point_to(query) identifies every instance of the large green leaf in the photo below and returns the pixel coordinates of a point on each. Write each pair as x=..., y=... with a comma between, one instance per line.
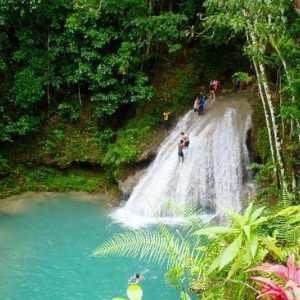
x=247, y=231
x=253, y=243
x=215, y=264
x=235, y=267
x=212, y=231
x=230, y=252
x=236, y=218
x=248, y=211
x=260, y=221
x=256, y=214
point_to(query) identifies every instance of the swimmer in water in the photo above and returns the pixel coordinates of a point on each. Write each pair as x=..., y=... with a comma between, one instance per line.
x=136, y=279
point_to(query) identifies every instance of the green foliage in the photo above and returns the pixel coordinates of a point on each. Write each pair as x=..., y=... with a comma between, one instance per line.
x=262, y=171
x=185, y=296
x=158, y=247
x=4, y=167
x=262, y=145
x=241, y=239
x=22, y=126
x=215, y=268
x=242, y=76
x=69, y=112
x=23, y=179
x=105, y=138
x=28, y=88
x=175, y=277
x=272, y=47
x=286, y=225
x=51, y=52
x=126, y=149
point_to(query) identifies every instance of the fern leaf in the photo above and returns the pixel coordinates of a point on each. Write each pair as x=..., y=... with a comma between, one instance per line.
x=158, y=247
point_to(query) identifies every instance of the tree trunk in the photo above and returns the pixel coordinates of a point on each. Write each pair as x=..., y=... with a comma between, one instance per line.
x=262, y=97
x=289, y=79
x=267, y=118
x=280, y=103
x=268, y=97
x=274, y=125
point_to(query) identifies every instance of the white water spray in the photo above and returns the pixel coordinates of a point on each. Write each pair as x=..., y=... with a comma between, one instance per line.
x=214, y=174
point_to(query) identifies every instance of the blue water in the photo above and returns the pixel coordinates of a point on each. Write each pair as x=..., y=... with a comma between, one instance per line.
x=45, y=255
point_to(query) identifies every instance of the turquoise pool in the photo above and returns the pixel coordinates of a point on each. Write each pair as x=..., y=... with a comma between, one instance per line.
x=45, y=255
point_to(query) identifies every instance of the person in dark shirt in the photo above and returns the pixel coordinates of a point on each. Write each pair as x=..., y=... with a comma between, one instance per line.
x=136, y=279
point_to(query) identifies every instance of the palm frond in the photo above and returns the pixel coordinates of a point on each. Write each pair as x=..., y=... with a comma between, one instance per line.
x=156, y=246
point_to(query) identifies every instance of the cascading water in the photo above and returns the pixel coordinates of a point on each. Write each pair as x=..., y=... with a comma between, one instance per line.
x=214, y=174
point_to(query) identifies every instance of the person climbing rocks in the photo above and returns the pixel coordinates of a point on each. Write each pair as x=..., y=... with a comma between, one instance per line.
x=237, y=84
x=202, y=102
x=136, y=279
x=215, y=85
x=185, y=139
x=180, y=151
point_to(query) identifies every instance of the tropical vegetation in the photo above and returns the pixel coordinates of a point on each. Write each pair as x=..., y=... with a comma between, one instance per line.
x=215, y=262
x=290, y=275
x=83, y=86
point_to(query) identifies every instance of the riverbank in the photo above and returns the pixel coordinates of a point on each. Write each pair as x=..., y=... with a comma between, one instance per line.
x=20, y=203
x=46, y=180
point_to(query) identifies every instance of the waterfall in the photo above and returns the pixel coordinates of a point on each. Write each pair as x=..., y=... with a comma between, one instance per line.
x=214, y=175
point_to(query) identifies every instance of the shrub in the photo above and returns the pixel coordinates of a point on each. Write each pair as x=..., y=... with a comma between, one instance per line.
x=4, y=167
x=69, y=112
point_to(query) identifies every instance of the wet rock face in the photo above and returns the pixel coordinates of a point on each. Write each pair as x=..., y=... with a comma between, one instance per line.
x=148, y=155
x=138, y=169
x=126, y=186
x=151, y=149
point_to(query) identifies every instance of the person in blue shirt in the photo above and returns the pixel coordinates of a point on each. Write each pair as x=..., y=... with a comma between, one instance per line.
x=202, y=103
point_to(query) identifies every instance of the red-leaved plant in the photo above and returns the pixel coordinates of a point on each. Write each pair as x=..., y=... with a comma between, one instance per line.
x=290, y=275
